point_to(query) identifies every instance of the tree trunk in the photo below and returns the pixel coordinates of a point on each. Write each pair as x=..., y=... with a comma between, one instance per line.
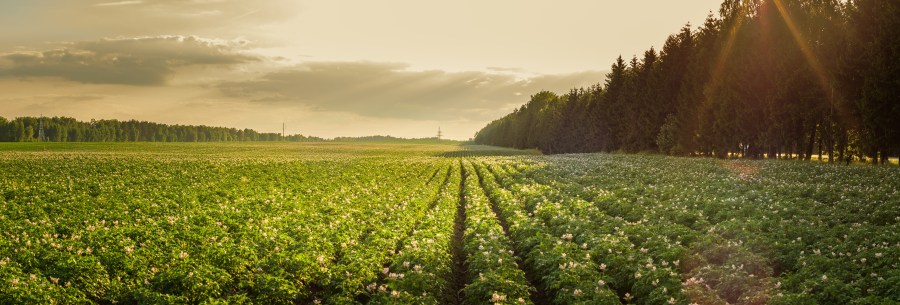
x=842, y=147
x=820, y=149
x=812, y=142
x=831, y=153
x=830, y=144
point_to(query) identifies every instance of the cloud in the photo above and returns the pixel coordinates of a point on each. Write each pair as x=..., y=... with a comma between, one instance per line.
x=77, y=98
x=505, y=69
x=390, y=90
x=143, y=61
x=119, y=3
x=137, y=17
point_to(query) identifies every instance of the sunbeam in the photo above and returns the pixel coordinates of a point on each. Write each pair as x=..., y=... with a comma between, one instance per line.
x=722, y=60
x=808, y=54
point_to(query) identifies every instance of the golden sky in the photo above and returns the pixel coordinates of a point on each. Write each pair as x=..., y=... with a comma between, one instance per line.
x=326, y=67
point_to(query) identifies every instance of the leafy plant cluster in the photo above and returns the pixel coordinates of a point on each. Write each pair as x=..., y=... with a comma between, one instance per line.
x=588, y=250
x=421, y=271
x=389, y=224
x=494, y=274
x=81, y=227
x=564, y=269
x=742, y=232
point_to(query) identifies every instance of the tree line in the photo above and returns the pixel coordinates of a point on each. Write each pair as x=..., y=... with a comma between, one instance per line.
x=392, y=139
x=762, y=78
x=64, y=129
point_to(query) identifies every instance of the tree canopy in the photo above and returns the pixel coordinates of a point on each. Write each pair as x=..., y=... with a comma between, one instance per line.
x=63, y=129
x=762, y=78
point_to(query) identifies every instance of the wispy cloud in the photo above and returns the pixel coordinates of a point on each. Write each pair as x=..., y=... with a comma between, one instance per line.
x=506, y=69
x=389, y=90
x=143, y=61
x=119, y=3
x=243, y=15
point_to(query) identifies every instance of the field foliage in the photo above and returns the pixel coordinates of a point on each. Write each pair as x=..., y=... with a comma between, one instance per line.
x=366, y=223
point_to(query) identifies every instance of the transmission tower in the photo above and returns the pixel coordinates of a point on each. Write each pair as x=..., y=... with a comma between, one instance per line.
x=440, y=134
x=41, y=129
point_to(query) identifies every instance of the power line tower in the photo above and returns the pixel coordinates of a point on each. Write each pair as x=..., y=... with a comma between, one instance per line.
x=440, y=134
x=282, y=131
x=41, y=129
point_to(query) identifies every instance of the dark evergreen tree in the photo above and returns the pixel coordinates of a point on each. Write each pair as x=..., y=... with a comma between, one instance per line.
x=764, y=78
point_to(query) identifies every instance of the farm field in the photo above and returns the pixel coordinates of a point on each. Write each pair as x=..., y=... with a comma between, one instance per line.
x=339, y=223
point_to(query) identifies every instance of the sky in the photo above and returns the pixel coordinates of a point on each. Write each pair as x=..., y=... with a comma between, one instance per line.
x=325, y=68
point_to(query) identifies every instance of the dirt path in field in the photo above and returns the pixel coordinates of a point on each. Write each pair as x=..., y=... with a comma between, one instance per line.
x=712, y=263
x=716, y=264
x=539, y=296
x=460, y=268
x=743, y=170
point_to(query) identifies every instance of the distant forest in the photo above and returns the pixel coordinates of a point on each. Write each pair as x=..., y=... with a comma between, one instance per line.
x=764, y=78
x=63, y=129
x=391, y=139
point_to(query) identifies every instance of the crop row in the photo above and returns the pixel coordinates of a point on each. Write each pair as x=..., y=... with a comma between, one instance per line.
x=387, y=221
x=777, y=232
x=87, y=229
x=421, y=271
x=494, y=275
x=568, y=274
x=375, y=226
x=625, y=254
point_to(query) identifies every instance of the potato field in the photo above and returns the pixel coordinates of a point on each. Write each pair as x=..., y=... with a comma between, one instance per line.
x=332, y=223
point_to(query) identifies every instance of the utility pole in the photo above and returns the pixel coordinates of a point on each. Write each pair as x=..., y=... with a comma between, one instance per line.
x=282, y=131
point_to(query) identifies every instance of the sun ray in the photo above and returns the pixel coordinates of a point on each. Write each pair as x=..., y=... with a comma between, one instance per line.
x=722, y=60
x=817, y=68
